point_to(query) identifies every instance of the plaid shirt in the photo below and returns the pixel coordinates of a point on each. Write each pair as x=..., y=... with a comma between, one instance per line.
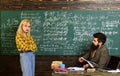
x=25, y=44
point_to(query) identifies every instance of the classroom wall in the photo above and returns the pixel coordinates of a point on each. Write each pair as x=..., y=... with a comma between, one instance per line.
x=10, y=66
x=60, y=4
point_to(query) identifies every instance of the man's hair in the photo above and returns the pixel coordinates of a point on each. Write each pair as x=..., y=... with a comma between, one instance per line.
x=101, y=37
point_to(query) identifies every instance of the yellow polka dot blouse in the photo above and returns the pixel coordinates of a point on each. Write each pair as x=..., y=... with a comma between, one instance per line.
x=25, y=44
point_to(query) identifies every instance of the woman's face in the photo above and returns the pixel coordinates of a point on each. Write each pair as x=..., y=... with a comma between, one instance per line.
x=26, y=28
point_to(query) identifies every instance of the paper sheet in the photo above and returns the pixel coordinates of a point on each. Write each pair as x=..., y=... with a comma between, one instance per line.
x=76, y=68
x=114, y=71
x=88, y=63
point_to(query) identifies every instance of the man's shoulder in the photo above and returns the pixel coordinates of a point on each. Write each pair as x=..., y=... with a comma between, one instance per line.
x=103, y=48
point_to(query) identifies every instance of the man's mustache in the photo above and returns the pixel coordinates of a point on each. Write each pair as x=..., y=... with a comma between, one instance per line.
x=93, y=47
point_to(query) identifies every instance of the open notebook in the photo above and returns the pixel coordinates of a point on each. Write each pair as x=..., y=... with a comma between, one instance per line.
x=113, y=64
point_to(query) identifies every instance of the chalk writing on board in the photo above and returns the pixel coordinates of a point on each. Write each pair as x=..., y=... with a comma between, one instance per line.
x=65, y=32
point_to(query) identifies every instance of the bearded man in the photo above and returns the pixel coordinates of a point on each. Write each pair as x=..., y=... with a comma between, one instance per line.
x=98, y=53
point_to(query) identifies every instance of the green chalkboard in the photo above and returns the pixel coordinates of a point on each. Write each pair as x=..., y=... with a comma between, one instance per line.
x=61, y=32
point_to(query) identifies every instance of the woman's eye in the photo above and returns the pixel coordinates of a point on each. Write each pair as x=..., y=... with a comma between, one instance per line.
x=25, y=25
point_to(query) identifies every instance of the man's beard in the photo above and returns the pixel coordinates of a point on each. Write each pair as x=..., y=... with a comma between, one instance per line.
x=93, y=47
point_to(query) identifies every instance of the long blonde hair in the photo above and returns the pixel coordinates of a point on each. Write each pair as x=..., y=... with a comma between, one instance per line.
x=23, y=23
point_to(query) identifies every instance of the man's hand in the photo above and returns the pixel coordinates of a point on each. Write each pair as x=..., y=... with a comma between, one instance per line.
x=86, y=66
x=81, y=59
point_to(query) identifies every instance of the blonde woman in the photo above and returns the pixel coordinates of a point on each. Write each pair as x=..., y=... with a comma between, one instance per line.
x=26, y=47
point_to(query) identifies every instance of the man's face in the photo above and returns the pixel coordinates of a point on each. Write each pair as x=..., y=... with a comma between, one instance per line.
x=95, y=44
x=95, y=41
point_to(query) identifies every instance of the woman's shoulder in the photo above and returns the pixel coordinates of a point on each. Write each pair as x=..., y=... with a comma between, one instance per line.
x=18, y=35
